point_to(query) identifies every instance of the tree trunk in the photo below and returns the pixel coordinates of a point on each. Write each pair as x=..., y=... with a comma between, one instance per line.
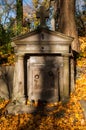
x=67, y=23
x=19, y=16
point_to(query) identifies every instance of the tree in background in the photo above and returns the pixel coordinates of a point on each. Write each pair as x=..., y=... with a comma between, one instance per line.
x=7, y=7
x=19, y=15
x=81, y=18
x=7, y=10
x=67, y=24
x=64, y=10
x=4, y=36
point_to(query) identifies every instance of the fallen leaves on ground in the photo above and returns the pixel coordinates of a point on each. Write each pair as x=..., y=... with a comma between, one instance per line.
x=65, y=116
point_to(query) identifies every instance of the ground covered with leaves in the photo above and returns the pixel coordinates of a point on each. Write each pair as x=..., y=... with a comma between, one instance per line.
x=65, y=116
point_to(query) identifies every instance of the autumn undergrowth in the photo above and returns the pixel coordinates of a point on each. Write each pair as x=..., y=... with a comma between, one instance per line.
x=66, y=116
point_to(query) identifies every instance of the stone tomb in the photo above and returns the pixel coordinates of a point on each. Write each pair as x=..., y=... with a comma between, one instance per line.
x=42, y=67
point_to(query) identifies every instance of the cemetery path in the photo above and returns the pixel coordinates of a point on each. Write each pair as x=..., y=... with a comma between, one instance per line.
x=70, y=115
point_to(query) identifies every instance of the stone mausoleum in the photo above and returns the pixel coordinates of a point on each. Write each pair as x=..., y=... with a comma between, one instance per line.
x=42, y=67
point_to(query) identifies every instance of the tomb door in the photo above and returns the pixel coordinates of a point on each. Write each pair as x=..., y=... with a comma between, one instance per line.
x=43, y=79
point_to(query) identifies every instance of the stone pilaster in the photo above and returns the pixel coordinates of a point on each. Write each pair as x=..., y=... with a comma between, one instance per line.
x=18, y=104
x=65, y=77
x=18, y=83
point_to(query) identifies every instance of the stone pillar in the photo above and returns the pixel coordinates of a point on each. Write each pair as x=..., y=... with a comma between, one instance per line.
x=61, y=81
x=65, y=77
x=18, y=103
x=18, y=83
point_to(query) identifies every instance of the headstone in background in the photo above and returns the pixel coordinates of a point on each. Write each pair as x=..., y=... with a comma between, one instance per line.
x=6, y=81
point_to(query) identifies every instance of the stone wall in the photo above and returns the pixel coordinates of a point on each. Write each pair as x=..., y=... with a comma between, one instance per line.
x=6, y=81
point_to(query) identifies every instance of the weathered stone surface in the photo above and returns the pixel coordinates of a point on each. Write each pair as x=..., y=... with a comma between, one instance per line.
x=9, y=78
x=79, y=71
x=83, y=105
x=3, y=89
x=18, y=82
x=43, y=80
x=19, y=109
x=6, y=81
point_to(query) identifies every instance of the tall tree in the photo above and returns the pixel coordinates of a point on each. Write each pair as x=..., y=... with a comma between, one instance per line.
x=7, y=11
x=19, y=15
x=67, y=23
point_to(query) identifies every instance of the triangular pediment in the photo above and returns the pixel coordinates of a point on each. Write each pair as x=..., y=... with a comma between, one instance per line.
x=43, y=35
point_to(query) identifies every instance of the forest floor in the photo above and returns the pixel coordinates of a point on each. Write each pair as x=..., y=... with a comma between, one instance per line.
x=65, y=116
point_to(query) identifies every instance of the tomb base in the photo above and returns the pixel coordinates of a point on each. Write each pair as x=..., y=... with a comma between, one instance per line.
x=15, y=109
